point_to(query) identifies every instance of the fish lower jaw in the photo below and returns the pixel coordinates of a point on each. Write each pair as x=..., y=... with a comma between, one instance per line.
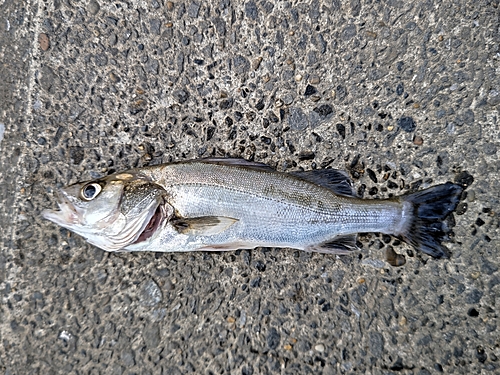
x=64, y=217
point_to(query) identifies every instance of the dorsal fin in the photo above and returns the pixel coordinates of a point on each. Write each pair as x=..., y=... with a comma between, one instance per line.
x=333, y=179
x=237, y=162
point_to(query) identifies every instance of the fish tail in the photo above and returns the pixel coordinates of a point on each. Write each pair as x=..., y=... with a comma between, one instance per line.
x=428, y=211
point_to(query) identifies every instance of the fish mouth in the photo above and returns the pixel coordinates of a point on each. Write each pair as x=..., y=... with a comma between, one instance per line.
x=155, y=222
x=67, y=214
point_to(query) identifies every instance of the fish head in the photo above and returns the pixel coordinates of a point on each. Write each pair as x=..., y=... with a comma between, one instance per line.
x=112, y=212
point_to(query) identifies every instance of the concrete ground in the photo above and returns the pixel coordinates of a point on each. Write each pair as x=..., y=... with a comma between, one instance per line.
x=402, y=94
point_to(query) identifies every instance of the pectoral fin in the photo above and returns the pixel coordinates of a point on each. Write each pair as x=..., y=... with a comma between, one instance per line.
x=338, y=245
x=203, y=226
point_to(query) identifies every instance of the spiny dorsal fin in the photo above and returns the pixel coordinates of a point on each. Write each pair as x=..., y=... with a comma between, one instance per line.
x=333, y=179
x=238, y=163
x=205, y=225
x=338, y=245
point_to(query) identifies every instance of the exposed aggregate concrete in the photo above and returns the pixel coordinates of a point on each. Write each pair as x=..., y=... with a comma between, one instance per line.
x=403, y=95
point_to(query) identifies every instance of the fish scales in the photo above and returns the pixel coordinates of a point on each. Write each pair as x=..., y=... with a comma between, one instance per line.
x=295, y=211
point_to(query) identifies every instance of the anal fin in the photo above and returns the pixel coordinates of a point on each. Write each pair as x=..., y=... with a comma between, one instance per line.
x=338, y=245
x=203, y=226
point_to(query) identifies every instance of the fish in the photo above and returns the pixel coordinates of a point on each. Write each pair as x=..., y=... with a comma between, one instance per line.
x=223, y=204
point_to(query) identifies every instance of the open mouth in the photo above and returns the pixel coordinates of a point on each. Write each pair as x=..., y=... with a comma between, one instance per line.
x=67, y=213
x=153, y=224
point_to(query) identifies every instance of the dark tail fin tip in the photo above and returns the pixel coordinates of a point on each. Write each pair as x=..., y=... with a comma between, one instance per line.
x=429, y=226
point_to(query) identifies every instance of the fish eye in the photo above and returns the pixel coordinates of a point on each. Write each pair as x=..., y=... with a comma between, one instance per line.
x=90, y=191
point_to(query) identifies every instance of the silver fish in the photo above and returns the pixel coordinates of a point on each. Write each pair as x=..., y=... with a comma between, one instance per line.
x=223, y=204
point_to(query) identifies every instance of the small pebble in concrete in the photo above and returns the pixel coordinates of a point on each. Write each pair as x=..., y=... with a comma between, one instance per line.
x=44, y=41
x=407, y=124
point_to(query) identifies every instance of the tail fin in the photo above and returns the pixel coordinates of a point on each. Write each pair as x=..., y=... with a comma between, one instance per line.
x=428, y=226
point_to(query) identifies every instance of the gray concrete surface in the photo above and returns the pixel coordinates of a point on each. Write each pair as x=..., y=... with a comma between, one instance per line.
x=402, y=94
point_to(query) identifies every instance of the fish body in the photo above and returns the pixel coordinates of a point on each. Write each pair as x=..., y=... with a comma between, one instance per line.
x=228, y=204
